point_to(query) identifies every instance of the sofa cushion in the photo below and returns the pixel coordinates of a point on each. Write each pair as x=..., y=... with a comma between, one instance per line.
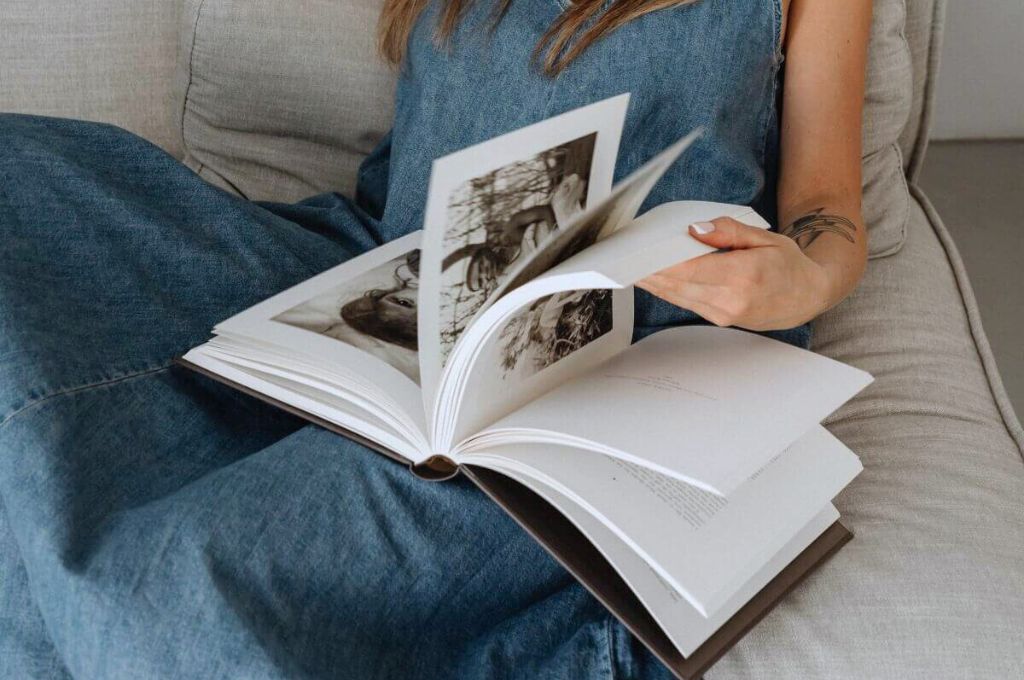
x=923, y=31
x=931, y=586
x=888, y=98
x=102, y=60
x=281, y=100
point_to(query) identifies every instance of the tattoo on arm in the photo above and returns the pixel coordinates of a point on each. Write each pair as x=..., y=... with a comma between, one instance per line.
x=805, y=230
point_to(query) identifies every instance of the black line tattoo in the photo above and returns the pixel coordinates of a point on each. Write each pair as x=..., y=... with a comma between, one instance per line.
x=805, y=230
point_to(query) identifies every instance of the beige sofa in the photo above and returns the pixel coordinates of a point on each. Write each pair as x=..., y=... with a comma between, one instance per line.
x=279, y=99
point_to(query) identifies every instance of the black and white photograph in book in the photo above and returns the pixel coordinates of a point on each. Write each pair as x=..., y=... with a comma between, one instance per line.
x=552, y=328
x=375, y=312
x=497, y=220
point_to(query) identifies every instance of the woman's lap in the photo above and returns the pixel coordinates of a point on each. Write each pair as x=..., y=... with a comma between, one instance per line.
x=169, y=526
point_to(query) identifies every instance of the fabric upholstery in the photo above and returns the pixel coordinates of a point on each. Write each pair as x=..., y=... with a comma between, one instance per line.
x=924, y=31
x=104, y=60
x=930, y=587
x=887, y=105
x=281, y=100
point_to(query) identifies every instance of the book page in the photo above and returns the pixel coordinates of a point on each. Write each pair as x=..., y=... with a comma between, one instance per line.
x=703, y=404
x=684, y=626
x=345, y=408
x=704, y=545
x=555, y=337
x=550, y=319
x=489, y=206
x=354, y=325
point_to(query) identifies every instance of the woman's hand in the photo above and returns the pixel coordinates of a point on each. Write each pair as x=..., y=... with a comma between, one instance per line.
x=764, y=281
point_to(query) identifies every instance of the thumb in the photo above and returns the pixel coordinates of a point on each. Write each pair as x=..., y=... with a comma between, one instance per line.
x=725, y=232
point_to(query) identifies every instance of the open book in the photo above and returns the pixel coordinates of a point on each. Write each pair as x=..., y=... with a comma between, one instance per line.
x=684, y=479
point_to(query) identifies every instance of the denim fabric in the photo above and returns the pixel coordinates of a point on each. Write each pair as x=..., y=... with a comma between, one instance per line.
x=156, y=524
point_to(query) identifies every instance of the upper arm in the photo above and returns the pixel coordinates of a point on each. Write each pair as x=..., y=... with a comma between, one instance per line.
x=826, y=53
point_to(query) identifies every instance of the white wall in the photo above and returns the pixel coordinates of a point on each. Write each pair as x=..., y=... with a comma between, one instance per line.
x=980, y=93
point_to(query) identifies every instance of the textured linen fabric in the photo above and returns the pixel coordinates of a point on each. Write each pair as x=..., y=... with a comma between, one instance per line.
x=280, y=100
x=104, y=60
x=923, y=32
x=887, y=104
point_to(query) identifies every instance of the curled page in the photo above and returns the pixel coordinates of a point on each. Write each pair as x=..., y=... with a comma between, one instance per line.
x=552, y=319
x=490, y=205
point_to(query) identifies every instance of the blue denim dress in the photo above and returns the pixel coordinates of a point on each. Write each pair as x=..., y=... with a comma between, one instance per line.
x=155, y=524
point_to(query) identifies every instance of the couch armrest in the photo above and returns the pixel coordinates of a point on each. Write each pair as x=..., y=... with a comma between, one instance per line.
x=103, y=60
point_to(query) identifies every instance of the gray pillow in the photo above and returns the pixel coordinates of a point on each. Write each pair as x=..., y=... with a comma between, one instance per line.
x=281, y=99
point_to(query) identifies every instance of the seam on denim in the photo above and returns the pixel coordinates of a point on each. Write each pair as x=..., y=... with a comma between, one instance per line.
x=81, y=388
x=609, y=634
x=771, y=108
x=778, y=16
x=191, y=75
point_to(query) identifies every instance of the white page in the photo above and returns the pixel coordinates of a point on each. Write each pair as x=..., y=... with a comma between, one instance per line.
x=705, y=546
x=511, y=360
x=655, y=240
x=341, y=412
x=684, y=626
x=336, y=392
x=706, y=405
x=554, y=168
x=309, y=320
x=551, y=321
x=604, y=220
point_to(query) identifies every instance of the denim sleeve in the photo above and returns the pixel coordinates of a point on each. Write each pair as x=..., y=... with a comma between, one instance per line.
x=372, y=185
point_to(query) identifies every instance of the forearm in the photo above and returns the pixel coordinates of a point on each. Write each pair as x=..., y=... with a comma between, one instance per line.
x=819, y=183
x=830, y=230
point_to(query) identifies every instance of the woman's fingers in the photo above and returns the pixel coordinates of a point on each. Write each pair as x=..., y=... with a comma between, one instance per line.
x=673, y=289
x=698, y=298
x=723, y=288
x=726, y=232
x=715, y=269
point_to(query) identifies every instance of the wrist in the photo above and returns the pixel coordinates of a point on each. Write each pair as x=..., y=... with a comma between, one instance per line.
x=832, y=286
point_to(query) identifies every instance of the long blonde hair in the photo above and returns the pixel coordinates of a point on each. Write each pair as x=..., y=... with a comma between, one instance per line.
x=564, y=40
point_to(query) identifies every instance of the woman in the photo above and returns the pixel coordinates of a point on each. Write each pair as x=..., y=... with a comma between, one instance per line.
x=158, y=525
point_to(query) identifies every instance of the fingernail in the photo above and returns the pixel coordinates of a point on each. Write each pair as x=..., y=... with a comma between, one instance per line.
x=703, y=227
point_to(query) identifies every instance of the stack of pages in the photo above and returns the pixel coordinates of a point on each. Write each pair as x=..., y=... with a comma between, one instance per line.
x=685, y=479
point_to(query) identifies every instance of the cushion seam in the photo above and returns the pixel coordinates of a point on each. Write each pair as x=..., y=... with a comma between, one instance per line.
x=191, y=76
x=935, y=37
x=32, y=403
x=909, y=55
x=898, y=245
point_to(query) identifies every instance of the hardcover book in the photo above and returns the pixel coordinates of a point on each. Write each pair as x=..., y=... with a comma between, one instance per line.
x=685, y=480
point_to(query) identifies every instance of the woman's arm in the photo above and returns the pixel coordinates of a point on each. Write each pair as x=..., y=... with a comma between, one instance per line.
x=772, y=281
x=819, y=180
